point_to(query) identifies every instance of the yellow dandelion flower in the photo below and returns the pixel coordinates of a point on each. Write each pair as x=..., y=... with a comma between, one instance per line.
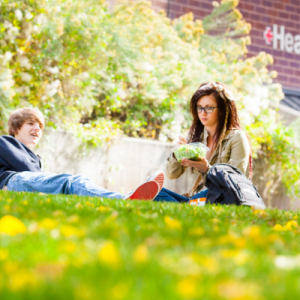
x=291, y=225
x=73, y=219
x=58, y=213
x=68, y=247
x=226, y=239
x=228, y=253
x=238, y=256
x=215, y=221
x=279, y=227
x=109, y=254
x=48, y=223
x=196, y=231
x=120, y=291
x=260, y=213
x=21, y=280
x=9, y=267
x=3, y=254
x=78, y=205
x=216, y=228
x=141, y=253
x=235, y=290
x=274, y=238
x=188, y=288
x=210, y=264
x=84, y=291
x=103, y=209
x=87, y=203
x=241, y=258
x=7, y=208
x=240, y=242
x=204, y=243
x=172, y=223
x=252, y=231
x=67, y=230
x=11, y=225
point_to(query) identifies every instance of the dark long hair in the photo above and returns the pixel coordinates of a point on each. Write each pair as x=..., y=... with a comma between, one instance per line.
x=225, y=107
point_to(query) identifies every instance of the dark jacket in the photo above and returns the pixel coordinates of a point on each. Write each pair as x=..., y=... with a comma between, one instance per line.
x=15, y=157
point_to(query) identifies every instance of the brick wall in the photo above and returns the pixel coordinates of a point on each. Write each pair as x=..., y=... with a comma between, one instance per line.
x=260, y=13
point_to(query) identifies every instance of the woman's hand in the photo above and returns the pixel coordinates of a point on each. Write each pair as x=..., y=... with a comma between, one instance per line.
x=181, y=140
x=201, y=165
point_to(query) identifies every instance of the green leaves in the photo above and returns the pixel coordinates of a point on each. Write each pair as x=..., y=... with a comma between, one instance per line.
x=133, y=71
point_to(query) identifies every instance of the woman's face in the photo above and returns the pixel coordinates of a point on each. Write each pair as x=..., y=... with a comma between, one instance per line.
x=208, y=119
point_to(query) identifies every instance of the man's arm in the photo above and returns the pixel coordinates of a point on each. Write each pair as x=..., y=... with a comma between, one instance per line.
x=16, y=157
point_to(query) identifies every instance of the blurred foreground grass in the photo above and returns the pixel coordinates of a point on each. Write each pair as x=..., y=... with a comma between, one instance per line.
x=69, y=247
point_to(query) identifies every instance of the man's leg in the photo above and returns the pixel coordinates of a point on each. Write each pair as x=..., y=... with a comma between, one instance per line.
x=50, y=183
x=166, y=195
x=82, y=185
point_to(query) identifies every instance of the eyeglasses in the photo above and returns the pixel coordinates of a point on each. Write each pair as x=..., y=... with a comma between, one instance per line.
x=207, y=110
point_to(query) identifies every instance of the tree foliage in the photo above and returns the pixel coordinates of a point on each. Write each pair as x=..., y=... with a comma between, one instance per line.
x=5, y=95
x=133, y=71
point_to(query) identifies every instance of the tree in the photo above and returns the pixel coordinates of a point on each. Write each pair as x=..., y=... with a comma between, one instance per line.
x=6, y=93
x=133, y=71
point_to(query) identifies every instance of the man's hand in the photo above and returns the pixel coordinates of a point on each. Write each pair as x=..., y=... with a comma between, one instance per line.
x=201, y=165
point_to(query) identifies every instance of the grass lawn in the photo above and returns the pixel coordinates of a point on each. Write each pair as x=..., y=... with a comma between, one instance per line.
x=69, y=247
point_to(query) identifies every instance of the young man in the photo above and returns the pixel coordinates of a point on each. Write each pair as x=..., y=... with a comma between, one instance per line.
x=21, y=169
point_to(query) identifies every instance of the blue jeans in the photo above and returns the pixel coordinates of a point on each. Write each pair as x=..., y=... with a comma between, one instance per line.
x=168, y=196
x=50, y=183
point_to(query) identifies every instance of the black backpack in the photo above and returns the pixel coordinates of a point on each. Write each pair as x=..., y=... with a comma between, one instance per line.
x=228, y=185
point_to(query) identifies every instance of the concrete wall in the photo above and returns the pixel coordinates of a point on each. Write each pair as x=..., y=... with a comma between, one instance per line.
x=127, y=162
x=121, y=166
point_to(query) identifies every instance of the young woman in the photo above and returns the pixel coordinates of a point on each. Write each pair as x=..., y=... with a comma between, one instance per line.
x=215, y=124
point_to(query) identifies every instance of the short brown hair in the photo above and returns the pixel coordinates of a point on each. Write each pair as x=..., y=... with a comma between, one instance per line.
x=21, y=115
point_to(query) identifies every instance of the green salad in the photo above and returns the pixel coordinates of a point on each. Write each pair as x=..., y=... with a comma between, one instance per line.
x=193, y=151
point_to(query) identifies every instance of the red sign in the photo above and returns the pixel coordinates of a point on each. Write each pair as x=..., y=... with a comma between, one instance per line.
x=285, y=41
x=268, y=35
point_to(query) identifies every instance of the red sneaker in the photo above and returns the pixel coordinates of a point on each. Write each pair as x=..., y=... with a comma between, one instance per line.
x=159, y=177
x=146, y=191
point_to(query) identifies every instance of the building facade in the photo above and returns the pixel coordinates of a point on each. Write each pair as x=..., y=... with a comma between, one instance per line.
x=275, y=30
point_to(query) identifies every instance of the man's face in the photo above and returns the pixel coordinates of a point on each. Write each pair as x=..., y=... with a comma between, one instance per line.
x=29, y=134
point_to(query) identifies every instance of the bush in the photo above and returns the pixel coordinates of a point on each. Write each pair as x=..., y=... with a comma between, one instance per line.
x=133, y=71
